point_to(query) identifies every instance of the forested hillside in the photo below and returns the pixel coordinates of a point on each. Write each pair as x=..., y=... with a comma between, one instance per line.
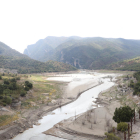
x=12, y=59
x=130, y=64
x=87, y=53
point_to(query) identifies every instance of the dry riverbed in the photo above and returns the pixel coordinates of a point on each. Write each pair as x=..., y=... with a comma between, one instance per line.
x=76, y=128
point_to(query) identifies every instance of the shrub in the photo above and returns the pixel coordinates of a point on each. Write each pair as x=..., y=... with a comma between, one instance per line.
x=0, y=77
x=17, y=78
x=26, y=88
x=23, y=93
x=7, y=100
x=122, y=126
x=28, y=84
x=1, y=97
x=13, y=86
x=7, y=92
x=111, y=136
x=13, y=80
x=6, y=82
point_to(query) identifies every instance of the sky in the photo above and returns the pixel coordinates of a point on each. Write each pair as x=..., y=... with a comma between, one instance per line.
x=24, y=22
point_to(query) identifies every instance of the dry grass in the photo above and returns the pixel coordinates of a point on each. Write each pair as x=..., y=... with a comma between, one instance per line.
x=41, y=85
x=7, y=119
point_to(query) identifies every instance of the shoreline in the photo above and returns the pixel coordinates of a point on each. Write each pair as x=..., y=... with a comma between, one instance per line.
x=63, y=130
x=21, y=125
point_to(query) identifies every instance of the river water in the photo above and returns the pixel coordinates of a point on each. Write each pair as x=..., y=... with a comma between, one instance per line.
x=82, y=104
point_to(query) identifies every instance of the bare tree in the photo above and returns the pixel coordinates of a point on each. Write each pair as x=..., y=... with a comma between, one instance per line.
x=95, y=118
x=83, y=122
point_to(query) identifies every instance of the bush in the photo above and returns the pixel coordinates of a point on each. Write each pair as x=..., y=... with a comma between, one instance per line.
x=23, y=93
x=17, y=78
x=7, y=100
x=28, y=84
x=13, y=80
x=26, y=88
x=1, y=97
x=7, y=92
x=111, y=136
x=13, y=86
x=6, y=82
x=0, y=77
x=122, y=126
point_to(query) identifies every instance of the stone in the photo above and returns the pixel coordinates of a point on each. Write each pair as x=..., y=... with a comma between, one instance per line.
x=45, y=94
x=32, y=103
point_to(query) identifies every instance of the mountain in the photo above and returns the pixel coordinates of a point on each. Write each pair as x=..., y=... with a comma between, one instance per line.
x=87, y=53
x=130, y=65
x=43, y=50
x=11, y=59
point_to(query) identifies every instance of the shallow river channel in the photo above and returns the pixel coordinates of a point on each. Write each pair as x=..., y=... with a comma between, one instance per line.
x=82, y=104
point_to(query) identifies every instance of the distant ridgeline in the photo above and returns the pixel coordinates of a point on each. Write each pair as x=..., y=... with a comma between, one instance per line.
x=85, y=53
x=11, y=59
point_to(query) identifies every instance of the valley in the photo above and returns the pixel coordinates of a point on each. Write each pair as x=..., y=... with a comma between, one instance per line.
x=49, y=81
x=69, y=70
x=50, y=91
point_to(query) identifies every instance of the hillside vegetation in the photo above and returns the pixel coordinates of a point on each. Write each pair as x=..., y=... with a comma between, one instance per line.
x=130, y=64
x=87, y=53
x=12, y=59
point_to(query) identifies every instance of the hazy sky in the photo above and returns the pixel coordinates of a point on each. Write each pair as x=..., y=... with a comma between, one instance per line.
x=24, y=22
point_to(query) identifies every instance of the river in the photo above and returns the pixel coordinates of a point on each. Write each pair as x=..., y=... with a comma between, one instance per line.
x=82, y=104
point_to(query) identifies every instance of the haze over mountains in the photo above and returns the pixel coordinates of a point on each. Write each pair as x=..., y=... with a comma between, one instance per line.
x=11, y=59
x=86, y=53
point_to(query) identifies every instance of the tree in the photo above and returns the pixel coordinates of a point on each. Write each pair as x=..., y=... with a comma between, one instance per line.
x=123, y=114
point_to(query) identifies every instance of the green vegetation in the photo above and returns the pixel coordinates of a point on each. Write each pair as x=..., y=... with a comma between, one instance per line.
x=7, y=119
x=11, y=59
x=10, y=88
x=41, y=85
x=123, y=114
x=122, y=126
x=111, y=136
x=136, y=85
x=129, y=65
x=88, y=53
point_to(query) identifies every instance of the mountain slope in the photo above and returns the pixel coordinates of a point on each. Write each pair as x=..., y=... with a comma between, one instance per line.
x=12, y=59
x=130, y=64
x=43, y=50
x=89, y=53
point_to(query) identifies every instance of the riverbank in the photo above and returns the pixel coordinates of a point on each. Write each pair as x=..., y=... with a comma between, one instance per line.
x=31, y=116
x=92, y=124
